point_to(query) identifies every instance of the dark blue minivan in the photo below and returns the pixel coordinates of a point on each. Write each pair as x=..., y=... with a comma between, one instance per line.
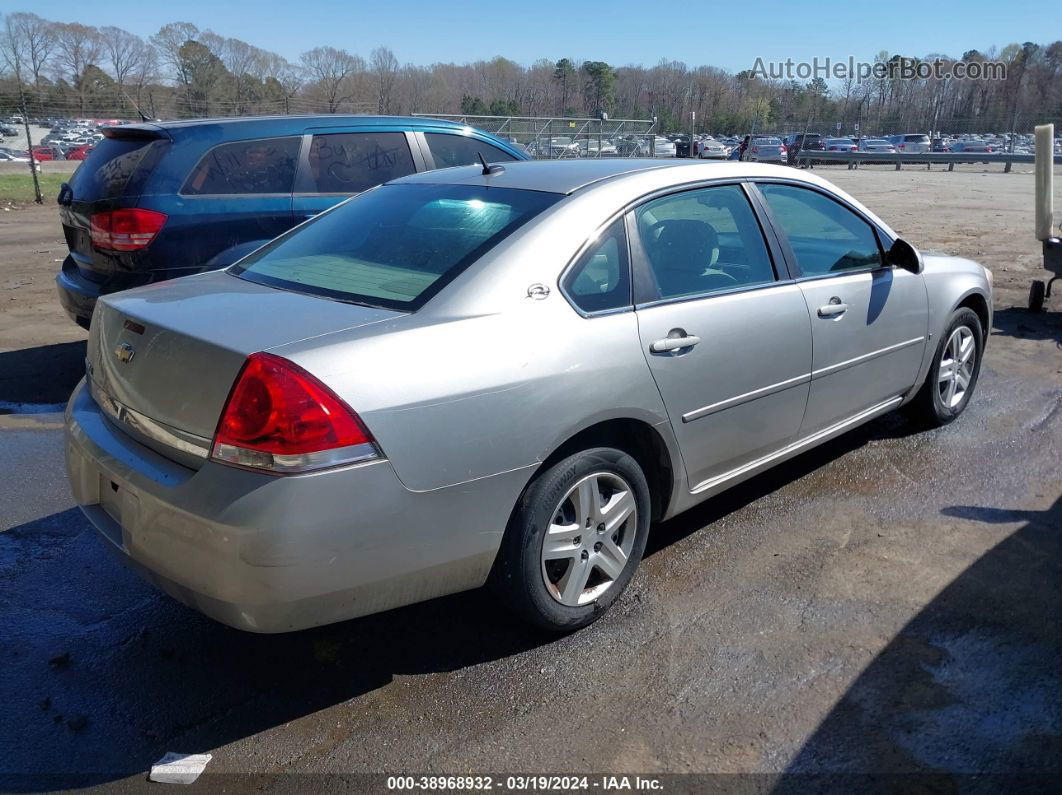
x=159, y=200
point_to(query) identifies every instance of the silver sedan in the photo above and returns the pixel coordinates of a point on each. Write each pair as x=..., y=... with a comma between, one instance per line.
x=499, y=375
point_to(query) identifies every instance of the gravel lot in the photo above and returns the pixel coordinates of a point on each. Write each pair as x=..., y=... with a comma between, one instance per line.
x=885, y=605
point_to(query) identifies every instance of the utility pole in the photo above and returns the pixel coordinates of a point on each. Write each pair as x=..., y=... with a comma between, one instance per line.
x=25, y=124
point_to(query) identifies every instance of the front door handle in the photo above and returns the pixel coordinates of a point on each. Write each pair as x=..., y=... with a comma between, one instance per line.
x=669, y=344
x=835, y=308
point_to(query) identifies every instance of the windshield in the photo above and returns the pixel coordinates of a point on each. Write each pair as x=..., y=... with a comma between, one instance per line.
x=395, y=246
x=767, y=141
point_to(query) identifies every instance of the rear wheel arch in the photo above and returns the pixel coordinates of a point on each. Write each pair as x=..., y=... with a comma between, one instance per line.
x=640, y=440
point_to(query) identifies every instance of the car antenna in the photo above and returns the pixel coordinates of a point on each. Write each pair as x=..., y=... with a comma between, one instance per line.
x=488, y=170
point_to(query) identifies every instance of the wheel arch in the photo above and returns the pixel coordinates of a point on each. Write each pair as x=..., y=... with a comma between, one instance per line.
x=979, y=304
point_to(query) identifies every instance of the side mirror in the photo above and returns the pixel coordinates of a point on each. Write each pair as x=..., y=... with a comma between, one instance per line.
x=903, y=255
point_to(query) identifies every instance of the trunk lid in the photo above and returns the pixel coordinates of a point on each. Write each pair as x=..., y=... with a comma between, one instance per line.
x=170, y=352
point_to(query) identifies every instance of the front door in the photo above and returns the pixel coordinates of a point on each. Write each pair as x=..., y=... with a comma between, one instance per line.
x=728, y=343
x=869, y=321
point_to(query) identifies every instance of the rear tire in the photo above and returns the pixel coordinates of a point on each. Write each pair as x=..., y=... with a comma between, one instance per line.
x=574, y=540
x=1037, y=294
x=952, y=376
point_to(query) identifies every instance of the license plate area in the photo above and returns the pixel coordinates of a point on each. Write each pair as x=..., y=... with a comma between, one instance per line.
x=111, y=498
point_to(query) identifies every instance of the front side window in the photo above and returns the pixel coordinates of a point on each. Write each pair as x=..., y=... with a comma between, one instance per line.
x=601, y=279
x=462, y=150
x=825, y=236
x=395, y=246
x=264, y=165
x=703, y=241
x=353, y=162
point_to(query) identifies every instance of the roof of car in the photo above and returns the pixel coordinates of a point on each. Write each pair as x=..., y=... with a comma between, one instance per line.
x=317, y=120
x=568, y=176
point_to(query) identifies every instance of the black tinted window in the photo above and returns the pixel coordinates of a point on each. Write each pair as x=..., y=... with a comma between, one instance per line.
x=265, y=165
x=825, y=236
x=353, y=162
x=115, y=167
x=703, y=241
x=462, y=150
x=601, y=279
x=394, y=246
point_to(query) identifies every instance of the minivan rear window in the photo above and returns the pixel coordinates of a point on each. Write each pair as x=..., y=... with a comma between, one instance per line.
x=116, y=167
x=394, y=246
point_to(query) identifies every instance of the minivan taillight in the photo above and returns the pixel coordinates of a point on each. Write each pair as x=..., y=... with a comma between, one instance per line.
x=281, y=419
x=128, y=229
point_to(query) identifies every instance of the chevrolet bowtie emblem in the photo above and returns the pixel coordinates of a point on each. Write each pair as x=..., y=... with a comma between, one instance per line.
x=124, y=352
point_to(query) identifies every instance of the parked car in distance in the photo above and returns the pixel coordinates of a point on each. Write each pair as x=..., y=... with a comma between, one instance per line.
x=911, y=143
x=711, y=149
x=158, y=200
x=803, y=142
x=972, y=147
x=42, y=153
x=9, y=157
x=79, y=152
x=839, y=145
x=766, y=150
x=876, y=145
x=940, y=145
x=662, y=147
x=397, y=400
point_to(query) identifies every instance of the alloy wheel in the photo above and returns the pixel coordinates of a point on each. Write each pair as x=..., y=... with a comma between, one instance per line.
x=589, y=539
x=956, y=367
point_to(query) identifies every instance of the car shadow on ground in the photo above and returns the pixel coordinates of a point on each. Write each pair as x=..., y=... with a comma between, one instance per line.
x=105, y=674
x=109, y=674
x=893, y=425
x=45, y=374
x=1020, y=323
x=971, y=685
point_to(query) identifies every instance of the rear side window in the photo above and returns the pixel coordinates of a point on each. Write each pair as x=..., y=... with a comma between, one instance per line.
x=395, y=246
x=353, y=162
x=116, y=167
x=463, y=150
x=703, y=241
x=264, y=165
x=601, y=279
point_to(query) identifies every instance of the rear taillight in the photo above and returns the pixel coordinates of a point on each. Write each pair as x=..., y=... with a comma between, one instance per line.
x=281, y=419
x=129, y=229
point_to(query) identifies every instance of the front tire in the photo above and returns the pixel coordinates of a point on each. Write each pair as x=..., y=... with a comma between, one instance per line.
x=950, y=383
x=1037, y=295
x=575, y=539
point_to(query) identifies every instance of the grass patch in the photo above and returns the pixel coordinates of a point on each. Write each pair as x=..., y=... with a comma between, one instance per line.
x=19, y=187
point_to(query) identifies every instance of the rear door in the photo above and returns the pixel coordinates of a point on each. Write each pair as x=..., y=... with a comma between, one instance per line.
x=339, y=163
x=236, y=197
x=869, y=321
x=726, y=336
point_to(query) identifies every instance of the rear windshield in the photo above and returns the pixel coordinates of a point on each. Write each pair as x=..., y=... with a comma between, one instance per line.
x=116, y=167
x=395, y=246
x=916, y=139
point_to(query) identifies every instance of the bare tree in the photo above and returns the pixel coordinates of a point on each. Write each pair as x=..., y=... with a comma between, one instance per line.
x=328, y=68
x=169, y=41
x=77, y=47
x=384, y=68
x=38, y=41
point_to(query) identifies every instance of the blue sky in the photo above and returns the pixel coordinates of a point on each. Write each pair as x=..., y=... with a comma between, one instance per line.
x=618, y=31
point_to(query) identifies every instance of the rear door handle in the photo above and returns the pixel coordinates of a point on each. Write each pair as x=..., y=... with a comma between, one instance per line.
x=835, y=308
x=669, y=344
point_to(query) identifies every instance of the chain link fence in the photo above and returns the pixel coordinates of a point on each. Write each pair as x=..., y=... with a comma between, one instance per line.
x=559, y=137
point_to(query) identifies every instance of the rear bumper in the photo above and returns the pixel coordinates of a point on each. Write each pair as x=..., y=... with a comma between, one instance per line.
x=77, y=295
x=274, y=554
